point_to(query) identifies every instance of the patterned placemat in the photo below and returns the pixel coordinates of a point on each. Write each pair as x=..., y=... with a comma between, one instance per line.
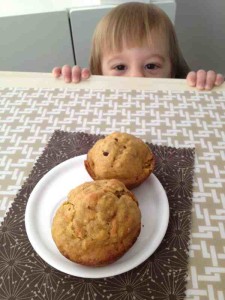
x=24, y=275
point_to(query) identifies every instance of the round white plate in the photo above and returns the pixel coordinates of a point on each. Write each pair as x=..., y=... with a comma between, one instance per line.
x=52, y=190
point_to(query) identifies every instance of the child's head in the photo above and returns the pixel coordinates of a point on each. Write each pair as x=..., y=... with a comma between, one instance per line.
x=132, y=25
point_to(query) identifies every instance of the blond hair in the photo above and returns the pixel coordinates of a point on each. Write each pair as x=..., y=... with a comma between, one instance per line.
x=132, y=24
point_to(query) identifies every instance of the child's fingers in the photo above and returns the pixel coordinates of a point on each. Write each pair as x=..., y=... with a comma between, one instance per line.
x=191, y=78
x=66, y=72
x=204, y=80
x=210, y=80
x=76, y=74
x=219, y=79
x=85, y=73
x=201, y=79
x=56, y=72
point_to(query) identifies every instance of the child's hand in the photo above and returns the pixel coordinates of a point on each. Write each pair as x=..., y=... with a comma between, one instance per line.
x=204, y=80
x=74, y=74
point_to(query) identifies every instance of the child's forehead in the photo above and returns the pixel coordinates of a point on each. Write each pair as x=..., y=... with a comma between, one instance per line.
x=155, y=40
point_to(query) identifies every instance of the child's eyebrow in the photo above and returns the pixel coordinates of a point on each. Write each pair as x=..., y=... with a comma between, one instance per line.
x=120, y=57
x=161, y=57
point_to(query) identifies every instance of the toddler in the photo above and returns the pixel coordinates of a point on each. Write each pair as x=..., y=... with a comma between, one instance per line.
x=138, y=39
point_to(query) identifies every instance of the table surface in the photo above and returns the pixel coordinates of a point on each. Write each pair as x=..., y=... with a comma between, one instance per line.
x=166, y=112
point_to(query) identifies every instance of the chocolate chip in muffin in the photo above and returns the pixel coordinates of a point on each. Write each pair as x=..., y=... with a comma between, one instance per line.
x=123, y=157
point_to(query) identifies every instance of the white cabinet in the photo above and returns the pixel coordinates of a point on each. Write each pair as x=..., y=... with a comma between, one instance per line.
x=35, y=42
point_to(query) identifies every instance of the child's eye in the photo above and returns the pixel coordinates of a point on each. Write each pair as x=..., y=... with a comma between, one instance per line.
x=151, y=66
x=120, y=67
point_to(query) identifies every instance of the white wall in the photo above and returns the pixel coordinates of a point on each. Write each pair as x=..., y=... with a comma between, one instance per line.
x=200, y=27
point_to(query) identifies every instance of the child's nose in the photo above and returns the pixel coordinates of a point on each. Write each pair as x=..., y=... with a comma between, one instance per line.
x=136, y=73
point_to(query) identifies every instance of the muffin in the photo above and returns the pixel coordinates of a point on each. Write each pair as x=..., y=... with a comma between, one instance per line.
x=98, y=223
x=121, y=156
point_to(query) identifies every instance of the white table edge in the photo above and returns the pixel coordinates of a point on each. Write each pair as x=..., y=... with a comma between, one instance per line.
x=46, y=80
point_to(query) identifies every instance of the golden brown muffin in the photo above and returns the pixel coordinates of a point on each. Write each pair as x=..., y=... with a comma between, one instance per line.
x=98, y=223
x=121, y=156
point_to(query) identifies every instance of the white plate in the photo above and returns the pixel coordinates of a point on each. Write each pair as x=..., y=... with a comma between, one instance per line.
x=53, y=188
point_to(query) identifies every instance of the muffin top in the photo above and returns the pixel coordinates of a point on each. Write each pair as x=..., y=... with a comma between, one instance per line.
x=98, y=223
x=121, y=156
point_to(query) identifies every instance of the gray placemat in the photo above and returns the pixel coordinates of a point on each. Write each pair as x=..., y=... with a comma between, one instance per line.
x=24, y=275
